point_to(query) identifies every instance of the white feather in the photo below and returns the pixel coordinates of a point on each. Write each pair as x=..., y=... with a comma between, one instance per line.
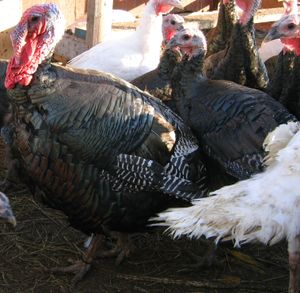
x=131, y=55
x=270, y=49
x=278, y=139
x=119, y=15
x=264, y=208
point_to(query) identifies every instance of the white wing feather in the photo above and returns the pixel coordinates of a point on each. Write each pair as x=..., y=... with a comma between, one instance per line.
x=264, y=208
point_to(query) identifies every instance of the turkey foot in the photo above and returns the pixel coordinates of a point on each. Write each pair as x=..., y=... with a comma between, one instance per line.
x=121, y=249
x=81, y=267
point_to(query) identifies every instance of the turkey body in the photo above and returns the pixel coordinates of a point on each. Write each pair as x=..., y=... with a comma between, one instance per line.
x=264, y=208
x=4, y=103
x=284, y=87
x=70, y=130
x=239, y=61
x=231, y=121
x=218, y=37
x=158, y=81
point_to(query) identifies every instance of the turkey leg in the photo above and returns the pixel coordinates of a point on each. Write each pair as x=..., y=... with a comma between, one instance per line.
x=121, y=249
x=294, y=264
x=81, y=267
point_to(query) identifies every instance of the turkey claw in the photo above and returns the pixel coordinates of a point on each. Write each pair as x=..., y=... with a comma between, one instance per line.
x=79, y=268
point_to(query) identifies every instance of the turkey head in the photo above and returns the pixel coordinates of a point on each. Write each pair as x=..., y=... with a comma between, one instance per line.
x=34, y=38
x=190, y=41
x=172, y=23
x=287, y=29
x=165, y=6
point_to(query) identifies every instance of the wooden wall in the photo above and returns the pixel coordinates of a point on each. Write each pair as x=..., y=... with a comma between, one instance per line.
x=72, y=9
x=10, y=12
x=135, y=6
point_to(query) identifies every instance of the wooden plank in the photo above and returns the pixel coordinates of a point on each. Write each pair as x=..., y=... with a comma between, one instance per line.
x=136, y=6
x=71, y=9
x=208, y=20
x=10, y=13
x=6, y=50
x=99, y=19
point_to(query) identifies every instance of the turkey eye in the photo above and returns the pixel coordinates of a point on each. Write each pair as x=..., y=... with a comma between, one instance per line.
x=35, y=18
x=291, y=26
x=173, y=22
x=186, y=37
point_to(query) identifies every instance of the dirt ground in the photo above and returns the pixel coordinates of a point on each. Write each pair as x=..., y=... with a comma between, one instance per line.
x=43, y=239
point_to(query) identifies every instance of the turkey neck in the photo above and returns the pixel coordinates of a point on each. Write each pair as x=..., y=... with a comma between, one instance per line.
x=218, y=37
x=285, y=87
x=231, y=67
x=3, y=66
x=186, y=75
x=167, y=63
x=149, y=32
x=19, y=95
x=256, y=73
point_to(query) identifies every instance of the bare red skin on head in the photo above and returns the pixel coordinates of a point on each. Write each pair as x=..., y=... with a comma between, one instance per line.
x=26, y=56
x=169, y=33
x=163, y=8
x=291, y=44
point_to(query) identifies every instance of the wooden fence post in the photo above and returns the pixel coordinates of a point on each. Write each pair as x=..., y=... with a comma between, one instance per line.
x=99, y=19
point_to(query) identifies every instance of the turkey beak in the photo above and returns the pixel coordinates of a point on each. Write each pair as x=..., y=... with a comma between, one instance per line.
x=7, y=216
x=273, y=34
x=177, y=4
x=179, y=27
x=12, y=221
x=172, y=43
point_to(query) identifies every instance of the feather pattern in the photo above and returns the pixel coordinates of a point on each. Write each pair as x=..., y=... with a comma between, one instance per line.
x=231, y=121
x=248, y=211
x=95, y=144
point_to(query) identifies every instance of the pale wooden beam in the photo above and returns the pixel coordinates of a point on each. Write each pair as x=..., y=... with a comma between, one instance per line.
x=99, y=19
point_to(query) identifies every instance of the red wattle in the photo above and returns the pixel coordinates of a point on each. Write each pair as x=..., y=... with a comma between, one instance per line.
x=292, y=45
x=163, y=8
x=169, y=33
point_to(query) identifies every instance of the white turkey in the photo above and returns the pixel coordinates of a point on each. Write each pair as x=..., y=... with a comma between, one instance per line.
x=132, y=55
x=104, y=152
x=264, y=208
x=172, y=23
